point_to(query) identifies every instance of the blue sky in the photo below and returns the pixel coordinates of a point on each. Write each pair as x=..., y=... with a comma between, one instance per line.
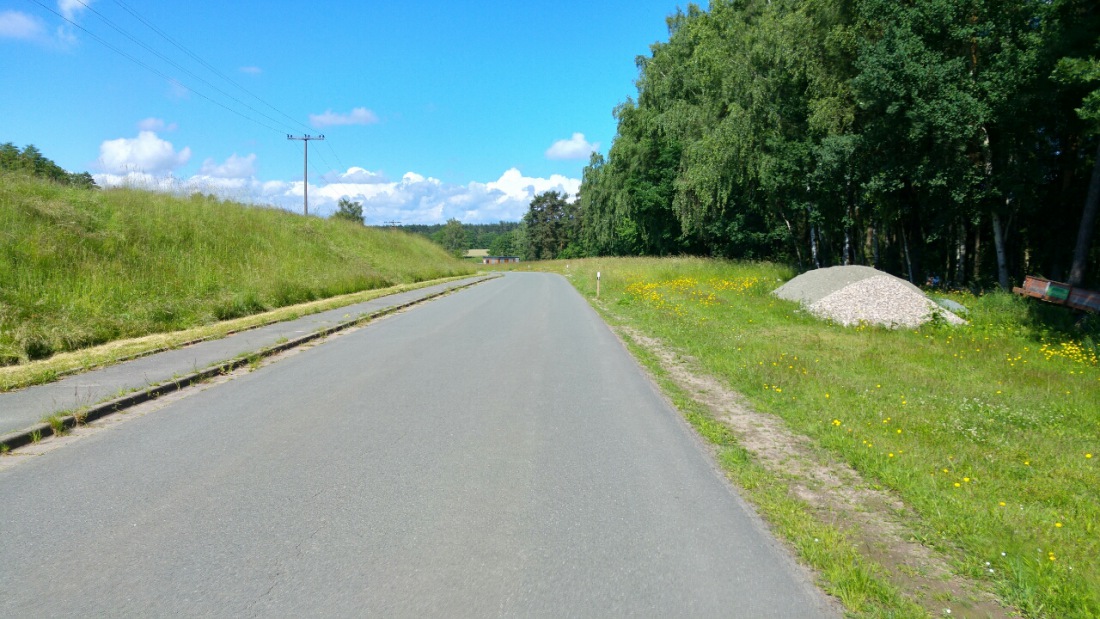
x=431, y=110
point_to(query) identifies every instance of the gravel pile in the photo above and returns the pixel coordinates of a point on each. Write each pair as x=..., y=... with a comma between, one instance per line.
x=851, y=295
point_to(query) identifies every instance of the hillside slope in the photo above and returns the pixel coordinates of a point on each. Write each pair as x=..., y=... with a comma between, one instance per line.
x=81, y=267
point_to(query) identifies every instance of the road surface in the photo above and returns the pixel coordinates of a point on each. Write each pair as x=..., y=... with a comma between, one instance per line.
x=494, y=452
x=26, y=407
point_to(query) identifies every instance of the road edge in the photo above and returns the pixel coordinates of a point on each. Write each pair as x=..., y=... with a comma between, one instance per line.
x=64, y=421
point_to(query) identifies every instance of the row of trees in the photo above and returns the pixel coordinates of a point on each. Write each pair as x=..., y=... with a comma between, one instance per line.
x=457, y=237
x=31, y=161
x=957, y=138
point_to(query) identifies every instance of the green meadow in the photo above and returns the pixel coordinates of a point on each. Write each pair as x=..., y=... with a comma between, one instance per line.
x=989, y=432
x=79, y=268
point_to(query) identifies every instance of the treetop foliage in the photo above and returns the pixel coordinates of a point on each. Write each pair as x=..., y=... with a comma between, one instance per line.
x=498, y=238
x=944, y=138
x=349, y=211
x=31, y=161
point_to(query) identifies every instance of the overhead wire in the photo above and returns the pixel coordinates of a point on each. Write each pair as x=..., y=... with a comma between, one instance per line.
x=149, y=49
x=136, y=15
x=154, y=70
x=180, y=84
x=206, y=64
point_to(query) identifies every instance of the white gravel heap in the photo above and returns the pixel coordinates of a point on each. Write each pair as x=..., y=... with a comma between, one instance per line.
x=851, y=295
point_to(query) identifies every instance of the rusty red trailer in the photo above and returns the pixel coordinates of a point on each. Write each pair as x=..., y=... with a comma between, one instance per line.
x=1060, y=293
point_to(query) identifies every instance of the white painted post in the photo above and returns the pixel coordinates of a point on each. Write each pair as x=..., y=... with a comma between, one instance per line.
x=597, y=284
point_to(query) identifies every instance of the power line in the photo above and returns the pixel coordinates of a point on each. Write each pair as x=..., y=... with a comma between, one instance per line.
x=342, y=166
x=133, y=12
x=153, y=70
x=176, y=82
x=126, y=34
x=199, y=60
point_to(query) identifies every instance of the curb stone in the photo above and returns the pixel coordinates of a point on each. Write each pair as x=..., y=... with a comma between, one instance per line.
x=39, y=431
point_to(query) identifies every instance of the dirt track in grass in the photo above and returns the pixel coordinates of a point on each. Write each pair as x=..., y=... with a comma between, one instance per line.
x=873, y=519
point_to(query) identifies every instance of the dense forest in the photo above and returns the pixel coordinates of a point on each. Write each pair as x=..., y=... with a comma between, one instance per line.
x=955, y=139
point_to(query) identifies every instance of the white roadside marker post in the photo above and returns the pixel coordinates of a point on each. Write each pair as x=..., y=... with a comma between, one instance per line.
x=597, y=284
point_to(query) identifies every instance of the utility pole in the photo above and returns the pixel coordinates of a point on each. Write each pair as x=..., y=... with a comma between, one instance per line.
x=305, y=167
x=393, y=224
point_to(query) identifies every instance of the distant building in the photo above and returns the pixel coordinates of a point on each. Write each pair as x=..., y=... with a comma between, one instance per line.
x=499, y=259
x=477, y=253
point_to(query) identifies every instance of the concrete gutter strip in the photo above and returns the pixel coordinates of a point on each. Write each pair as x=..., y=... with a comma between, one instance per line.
x=38, y=431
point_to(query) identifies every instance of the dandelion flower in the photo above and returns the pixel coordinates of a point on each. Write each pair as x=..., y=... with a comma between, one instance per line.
x=958, y=485
x=1058, y=525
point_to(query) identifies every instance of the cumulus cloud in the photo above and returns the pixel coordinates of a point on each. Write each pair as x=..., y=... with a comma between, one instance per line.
x=146, y=153
x=251, y=70
x=414, y=199
x=575, y=147
x=356, y=175
x=156, y=124
x=234, y=167
x=419, y=199
x=72, y=8
x=516, y=186
x=18, y=25
x=358, y=116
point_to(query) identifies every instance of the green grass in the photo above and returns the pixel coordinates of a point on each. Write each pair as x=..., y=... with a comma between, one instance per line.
x=80, y=268
x=856, y=581
x=61, y=364
x=985, y=431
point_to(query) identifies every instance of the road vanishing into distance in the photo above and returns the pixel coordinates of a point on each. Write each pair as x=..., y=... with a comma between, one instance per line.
x=493, y=452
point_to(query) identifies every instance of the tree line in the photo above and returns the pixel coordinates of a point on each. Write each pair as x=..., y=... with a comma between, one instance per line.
x=31, y=161
x=955, y=139
x=457, y=237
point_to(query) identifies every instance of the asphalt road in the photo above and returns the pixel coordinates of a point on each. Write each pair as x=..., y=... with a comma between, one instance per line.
x=26, y=407
x=494, y=452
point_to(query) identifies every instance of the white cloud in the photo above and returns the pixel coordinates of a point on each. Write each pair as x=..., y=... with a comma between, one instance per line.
x=516, y=186
x=575, y=147
x=251, y=70
x=414, y=199
x=234, y=167
x=177, y=91
x=358, y=116
x=156, y=124
x=419, y=199
x=17, y=25
x=146, y=153
x=356, y=175
x=71, y=8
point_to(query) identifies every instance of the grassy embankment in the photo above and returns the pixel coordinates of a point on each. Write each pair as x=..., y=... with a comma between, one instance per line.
x=81, y=268
x=989, y=433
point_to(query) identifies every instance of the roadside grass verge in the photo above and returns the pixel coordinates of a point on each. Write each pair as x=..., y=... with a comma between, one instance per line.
x=48, y=370
x=856, y=581
x=989, y=432
x=80, y=268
